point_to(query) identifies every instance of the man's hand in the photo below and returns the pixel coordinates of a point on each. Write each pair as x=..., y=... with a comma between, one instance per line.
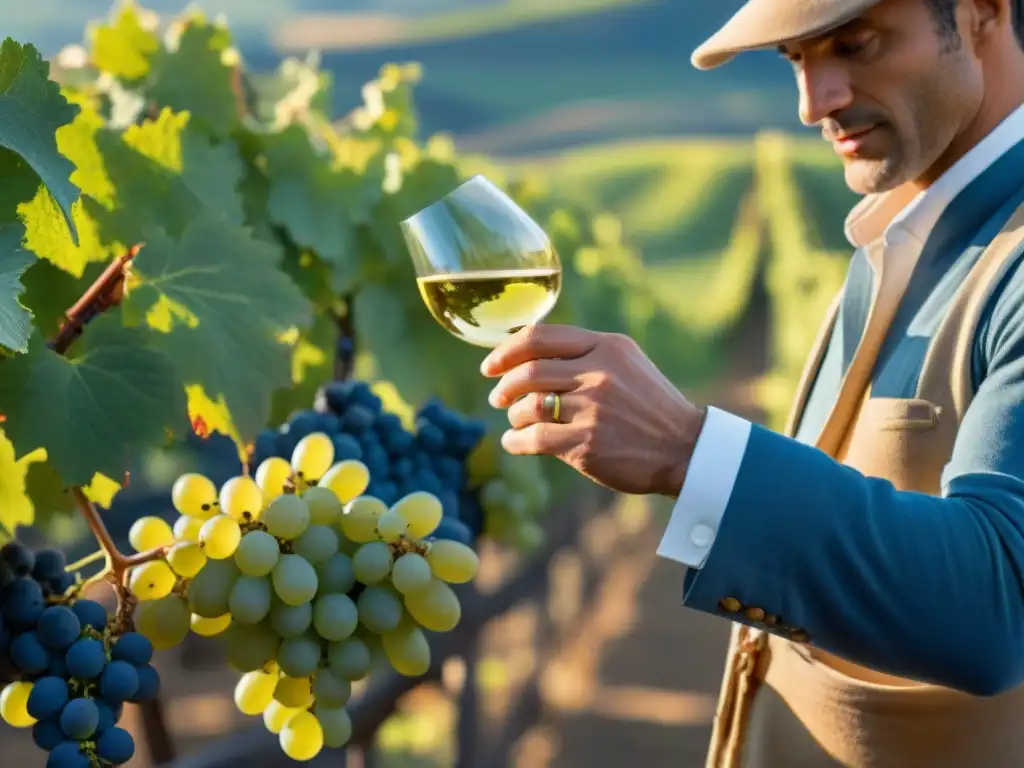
x=623, y=424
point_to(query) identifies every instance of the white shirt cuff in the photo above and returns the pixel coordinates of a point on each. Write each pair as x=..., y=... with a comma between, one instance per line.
x=704, y=497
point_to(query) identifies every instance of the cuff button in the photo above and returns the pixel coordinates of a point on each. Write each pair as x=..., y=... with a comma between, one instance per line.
x=701, y=536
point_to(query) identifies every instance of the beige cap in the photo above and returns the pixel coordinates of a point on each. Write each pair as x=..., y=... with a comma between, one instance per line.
x=767, y=23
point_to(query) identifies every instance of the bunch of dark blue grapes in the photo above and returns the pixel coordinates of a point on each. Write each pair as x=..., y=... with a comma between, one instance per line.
x=431, y=459
x=63, y=650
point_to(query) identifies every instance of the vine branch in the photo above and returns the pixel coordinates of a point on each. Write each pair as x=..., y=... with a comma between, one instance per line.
x=105, y=292
x=118, y=563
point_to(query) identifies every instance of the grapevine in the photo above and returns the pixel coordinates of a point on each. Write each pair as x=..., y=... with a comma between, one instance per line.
x=185, y=247
x=159, y=197
x=163, y=150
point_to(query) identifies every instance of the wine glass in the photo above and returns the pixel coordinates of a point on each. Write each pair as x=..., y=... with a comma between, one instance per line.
x=484, y=268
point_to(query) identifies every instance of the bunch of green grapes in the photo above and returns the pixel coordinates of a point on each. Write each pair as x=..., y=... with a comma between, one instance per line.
x=305, y=578
x=513, y=494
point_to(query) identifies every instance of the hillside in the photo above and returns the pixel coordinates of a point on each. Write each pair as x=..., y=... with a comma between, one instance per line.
x=680, y=199
x=619, y=73
x=508, y=78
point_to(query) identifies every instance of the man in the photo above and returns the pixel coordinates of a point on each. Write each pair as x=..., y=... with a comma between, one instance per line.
x=872, y=559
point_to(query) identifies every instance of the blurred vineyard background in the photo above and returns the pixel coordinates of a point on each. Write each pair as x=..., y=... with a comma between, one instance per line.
x=716, y=240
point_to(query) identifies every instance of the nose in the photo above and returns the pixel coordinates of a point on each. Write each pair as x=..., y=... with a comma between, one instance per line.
x=825, y=89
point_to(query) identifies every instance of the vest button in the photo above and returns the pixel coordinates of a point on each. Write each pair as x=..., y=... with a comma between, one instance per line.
x=755, y=614
x=729, y=604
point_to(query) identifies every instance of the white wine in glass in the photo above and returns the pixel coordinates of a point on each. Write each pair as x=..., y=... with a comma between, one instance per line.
x=484, y=268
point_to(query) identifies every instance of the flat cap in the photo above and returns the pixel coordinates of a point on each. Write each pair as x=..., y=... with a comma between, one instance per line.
x=767, y=23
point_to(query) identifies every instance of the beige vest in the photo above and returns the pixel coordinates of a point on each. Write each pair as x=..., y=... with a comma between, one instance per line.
x=784, y=704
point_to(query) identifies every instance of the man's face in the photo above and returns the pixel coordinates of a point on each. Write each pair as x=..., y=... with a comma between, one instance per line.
x=890, y=92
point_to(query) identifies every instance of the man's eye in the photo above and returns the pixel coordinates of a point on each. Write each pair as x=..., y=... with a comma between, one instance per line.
x=854, y=46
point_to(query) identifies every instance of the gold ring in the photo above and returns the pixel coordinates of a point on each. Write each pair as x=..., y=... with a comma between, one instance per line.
x=552, y=404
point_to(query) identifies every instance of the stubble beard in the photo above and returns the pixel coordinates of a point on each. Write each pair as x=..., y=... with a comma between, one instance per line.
x=870, y=176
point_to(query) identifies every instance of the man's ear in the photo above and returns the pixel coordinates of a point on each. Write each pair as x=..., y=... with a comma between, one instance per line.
x=988, y=18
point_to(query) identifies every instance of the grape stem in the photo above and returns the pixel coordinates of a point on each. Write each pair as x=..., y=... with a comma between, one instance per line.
x=87, y=560
x=105, y=292
x=405, y=545
x=118, y=565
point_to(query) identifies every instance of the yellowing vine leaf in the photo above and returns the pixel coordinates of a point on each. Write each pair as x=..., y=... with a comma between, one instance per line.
x=46, y=234
x=312, y=365
x=15, y=506
x=125, y=47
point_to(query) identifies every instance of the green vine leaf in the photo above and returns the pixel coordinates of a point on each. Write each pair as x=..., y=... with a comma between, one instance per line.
x=20, y=184
x=15, y=319
x=32, y=108
x=163, y=173
x=312, y=274
x=88, y=412
x=197, y=76
x=222, y=303
x=318, y=204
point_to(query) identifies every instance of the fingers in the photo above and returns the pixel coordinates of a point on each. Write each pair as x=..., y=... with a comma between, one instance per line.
x=544, y=439
x=537, y=342
x=535, y=376
x=530, y=410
